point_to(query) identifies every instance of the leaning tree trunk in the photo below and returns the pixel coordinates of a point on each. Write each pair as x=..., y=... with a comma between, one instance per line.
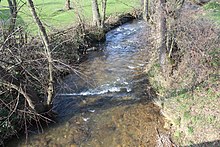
x=80, y=19
x=13, y=11
x=104, y=2
x=67, y=5
x=162, y=33
x=96, y=14
x=45, y=38
x=146, y=10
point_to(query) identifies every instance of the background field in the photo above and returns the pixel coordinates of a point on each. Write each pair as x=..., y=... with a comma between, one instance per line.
x=55, y=17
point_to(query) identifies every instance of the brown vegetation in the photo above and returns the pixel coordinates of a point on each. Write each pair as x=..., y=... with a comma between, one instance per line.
x=189, y=87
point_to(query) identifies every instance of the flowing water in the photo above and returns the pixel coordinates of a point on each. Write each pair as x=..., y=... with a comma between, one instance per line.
x=107, y=102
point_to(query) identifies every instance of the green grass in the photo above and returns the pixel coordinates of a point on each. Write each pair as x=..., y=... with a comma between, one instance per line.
x=212, y=5
x=192, y=113
x=54, y=17
x=213, y=9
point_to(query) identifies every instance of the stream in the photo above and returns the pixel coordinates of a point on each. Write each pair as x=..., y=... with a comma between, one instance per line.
x=108, y=101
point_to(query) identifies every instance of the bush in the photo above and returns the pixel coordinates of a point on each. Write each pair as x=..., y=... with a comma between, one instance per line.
x=198, y=41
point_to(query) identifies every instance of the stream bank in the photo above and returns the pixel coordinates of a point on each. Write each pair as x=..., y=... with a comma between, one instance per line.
x=189, y=91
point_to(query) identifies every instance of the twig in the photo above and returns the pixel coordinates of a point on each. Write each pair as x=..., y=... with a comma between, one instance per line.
x=160, y=138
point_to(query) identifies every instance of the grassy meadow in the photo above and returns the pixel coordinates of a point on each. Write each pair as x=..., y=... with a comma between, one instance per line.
x=54, y=16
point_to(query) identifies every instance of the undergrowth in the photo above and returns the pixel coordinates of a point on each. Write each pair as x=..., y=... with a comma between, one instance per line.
x=190, y=95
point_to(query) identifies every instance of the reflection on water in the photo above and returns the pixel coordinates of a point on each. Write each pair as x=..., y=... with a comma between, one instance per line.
x=108, y=102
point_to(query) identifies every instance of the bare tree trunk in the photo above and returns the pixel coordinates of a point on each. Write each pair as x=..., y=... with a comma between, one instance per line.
x=45, y=38
x=146, y=10
x=104, y=2
x=67, y=5
x=96, y=14
x=163, y=33
x=77, y=12
x=13, y=11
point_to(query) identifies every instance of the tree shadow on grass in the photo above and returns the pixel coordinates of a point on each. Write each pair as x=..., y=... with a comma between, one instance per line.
x=215, y=143
x=183, y=91
x=5, y=16
x=49, y=3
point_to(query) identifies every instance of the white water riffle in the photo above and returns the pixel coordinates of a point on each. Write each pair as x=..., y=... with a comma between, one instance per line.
x=99, y=91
